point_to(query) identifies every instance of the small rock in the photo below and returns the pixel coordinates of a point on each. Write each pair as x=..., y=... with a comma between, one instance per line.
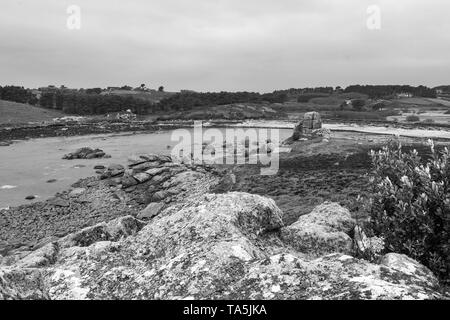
x=142, y=177
x=155, y=171
x=160, y=195
x=51, y=181
x=225, y=184
x=58, y=202
x=77, y=192
x=136, y=160
x=30, y=197
x=153, y=209
x=99, y=167
x=130, y=189
x=159, y=178
x=144, y=166
x=128, y=181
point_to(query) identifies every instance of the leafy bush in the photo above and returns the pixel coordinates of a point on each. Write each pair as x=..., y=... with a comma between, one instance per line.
x=358, y=104
x=412, y=118
x=410, y=207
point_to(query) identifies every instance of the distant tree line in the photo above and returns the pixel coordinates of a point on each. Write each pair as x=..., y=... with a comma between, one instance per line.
x=91, y=103
x=189, y=100
x=17, y=94
x=388, y=91
x=443, y=88
x=305, y=91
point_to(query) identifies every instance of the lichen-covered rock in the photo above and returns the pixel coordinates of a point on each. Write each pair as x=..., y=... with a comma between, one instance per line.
x=42, y=257
x=21, y=284
x=344, y=277
x=407, y=265
x=113, y=230
x=325, y=230
x=212, y=246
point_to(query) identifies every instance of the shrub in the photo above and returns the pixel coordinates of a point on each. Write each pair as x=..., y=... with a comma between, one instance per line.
x=358, y=104
x=410, y=206
x=412, y=118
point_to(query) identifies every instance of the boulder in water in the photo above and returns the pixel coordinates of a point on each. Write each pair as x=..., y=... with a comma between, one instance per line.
x=85, y=153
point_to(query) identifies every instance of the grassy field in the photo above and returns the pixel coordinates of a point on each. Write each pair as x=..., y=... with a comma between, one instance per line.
x=15, y=113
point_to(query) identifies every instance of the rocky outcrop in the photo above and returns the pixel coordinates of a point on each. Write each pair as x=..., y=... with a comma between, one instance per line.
x=325, y=230
x=310, y=123
x=214, y=246
x=85, y=153
x=97, y=199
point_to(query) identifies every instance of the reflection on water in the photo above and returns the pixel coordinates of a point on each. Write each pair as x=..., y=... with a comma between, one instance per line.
x=28, y=165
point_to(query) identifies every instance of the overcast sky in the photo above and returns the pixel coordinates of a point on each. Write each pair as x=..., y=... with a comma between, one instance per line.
x=213, y=45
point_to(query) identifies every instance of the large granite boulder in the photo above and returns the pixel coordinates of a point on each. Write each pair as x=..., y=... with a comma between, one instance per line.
x=310, y=123
x=213, y=246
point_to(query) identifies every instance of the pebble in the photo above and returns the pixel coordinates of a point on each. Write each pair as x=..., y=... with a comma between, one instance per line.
x=76, y=192
x=30, y=197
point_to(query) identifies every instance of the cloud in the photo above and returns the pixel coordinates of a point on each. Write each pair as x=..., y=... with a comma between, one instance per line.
x=223, y=44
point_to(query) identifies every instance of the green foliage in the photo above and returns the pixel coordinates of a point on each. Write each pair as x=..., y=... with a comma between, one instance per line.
x=91, y=103
x=378, y=106
x=412, y=118
x=410, y=207
x=94, y=91
x=190, y=100
x=358, y=104
x=17, y=94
